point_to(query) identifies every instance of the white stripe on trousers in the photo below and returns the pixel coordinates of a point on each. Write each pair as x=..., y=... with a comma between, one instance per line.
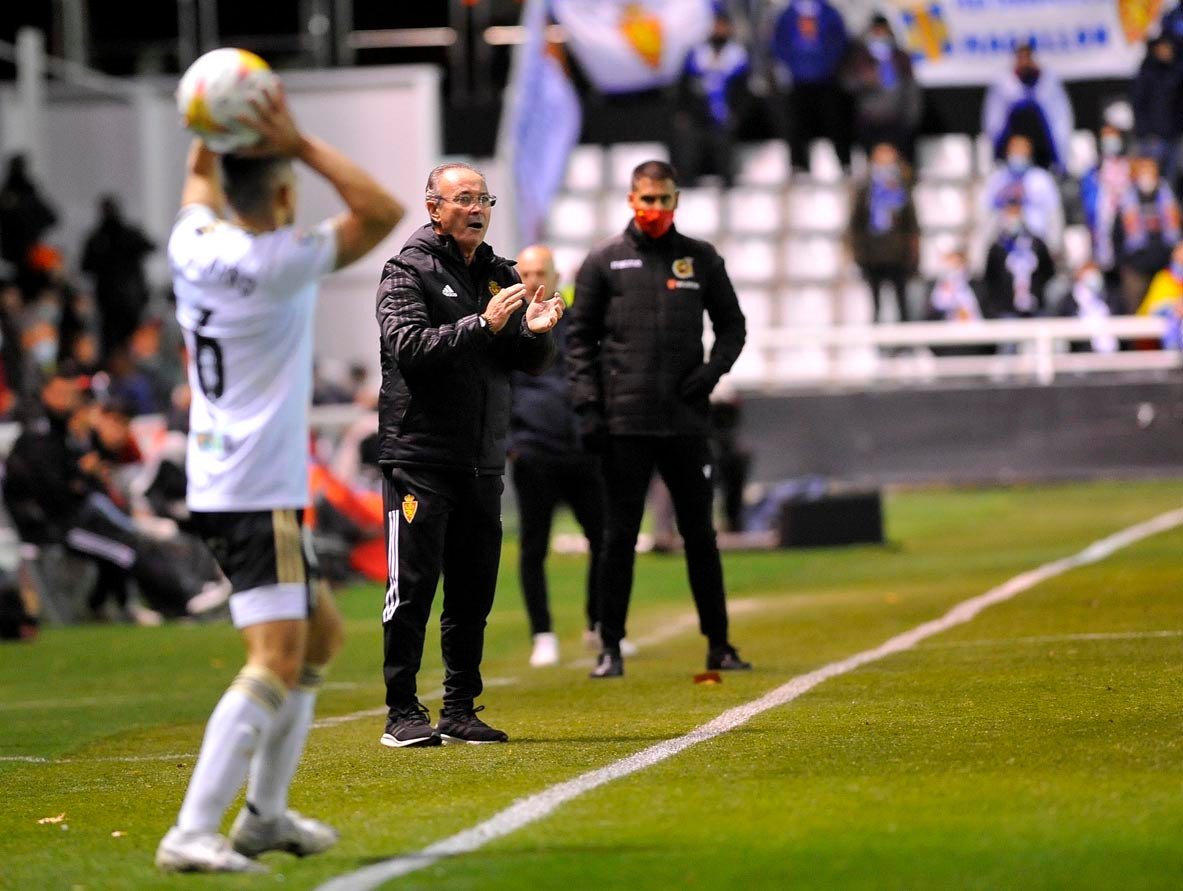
x=392, y=598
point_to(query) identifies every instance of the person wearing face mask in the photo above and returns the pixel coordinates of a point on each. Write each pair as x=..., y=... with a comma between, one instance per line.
x=712, y=97
x=1029, y=100
x=455, y=322
x=1101, y=190
x=1164, y=298
x=884, y=232
x=1088, y=300
x=1155, y=97
x=641, y=387
x=1019, y=180
x=1018, y=269
x=888, y=101
x=1147, y=227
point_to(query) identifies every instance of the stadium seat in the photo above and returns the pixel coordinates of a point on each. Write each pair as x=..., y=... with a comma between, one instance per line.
x=806, y=305
x=817, y=208
x=758, y=305
x=614, y=212
x=568, y=259
x=942, y=205
x=750, y=260
x=572, y=217
x=934, y=247
x=983, y=154
x=948, y=156
x=855, y=306
x=813, y=258
x=585, y=169
x=1082, y=153
x=756, y=211
x=823, y=162
x=624, y=156
x=699, y=213
x=1078, y=246
x=763, y=163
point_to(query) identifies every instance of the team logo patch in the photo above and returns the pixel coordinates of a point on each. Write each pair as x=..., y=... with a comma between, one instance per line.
x=410, y=507
x=449, y=291
x=684, y=267
x=494, y=288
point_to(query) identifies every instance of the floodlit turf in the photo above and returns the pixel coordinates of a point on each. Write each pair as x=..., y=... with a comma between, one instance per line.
x=1036, y=747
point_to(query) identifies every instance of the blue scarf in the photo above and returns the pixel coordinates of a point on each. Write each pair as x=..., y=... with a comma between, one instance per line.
x=885, y=199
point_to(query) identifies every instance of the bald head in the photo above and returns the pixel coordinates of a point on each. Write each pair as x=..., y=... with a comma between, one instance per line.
x=536, y=266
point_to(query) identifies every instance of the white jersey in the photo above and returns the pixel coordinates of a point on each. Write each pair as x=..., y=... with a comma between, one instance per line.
x=245, y=303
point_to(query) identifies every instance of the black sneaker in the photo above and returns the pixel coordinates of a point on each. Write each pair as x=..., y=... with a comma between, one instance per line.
x=461, y=725
x=726, y=659
x=609, y=665
x=410, y=726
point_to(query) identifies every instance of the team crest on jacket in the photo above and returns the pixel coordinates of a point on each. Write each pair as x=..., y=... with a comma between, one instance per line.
x=410, y=507
x=684, y=267
x=494, y=288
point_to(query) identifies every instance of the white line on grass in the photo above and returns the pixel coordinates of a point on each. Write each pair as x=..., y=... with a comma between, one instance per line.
x=535, y=807
x=1052, y=638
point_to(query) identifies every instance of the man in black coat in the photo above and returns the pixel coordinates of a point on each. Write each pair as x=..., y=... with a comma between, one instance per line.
x=549, y=468
x=642, y=391
x=455, y=322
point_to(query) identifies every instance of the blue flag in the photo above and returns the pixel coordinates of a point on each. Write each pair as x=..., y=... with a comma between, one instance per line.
x=543, y=122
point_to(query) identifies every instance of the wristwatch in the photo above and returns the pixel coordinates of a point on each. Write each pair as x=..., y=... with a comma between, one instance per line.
x=482, y=321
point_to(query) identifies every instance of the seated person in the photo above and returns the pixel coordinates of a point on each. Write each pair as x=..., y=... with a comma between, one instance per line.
x=1164, y=298
x=956, y=297
x=1147, y=228
x=1018, y=269
x=1018, y=179
x=1087, y=300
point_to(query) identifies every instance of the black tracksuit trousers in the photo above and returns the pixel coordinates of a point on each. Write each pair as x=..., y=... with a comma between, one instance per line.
x=685, y=464
x=437, y=522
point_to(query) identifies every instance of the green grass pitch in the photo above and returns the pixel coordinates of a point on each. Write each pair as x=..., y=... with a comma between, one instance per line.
x=1036, y=747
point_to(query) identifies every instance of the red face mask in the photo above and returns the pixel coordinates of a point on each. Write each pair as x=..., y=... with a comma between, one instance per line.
x=654, y=223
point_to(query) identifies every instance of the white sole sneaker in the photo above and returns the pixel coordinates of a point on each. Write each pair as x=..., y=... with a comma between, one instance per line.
x=546, y=650
x=201, y=852
x=290, y=831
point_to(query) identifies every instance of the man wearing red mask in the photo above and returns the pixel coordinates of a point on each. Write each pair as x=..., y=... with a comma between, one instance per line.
x=641, y=384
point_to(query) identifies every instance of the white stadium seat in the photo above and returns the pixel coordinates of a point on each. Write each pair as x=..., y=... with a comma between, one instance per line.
x=699, y=213
x=813, y=258
x=568, y=259
x=1078, y=246
x=755, y=211
x=750, y=260
x=934, y=248
x=572, y=217
x=984, y=154
x=941, y=205
x=823, y=162
x=763, y=164
x=585, y=169
x=758, y=305
x=1082, y=153
x=817, y=208
x=623, y=157
x=949, y=156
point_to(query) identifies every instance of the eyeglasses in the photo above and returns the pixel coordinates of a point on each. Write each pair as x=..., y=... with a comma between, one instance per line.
x=466, y=200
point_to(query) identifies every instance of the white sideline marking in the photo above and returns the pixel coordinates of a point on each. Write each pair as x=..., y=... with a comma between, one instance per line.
x=1053, y=638
x=534, y=807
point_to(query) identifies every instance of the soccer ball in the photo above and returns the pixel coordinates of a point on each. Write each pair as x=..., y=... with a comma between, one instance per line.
x=216, y=90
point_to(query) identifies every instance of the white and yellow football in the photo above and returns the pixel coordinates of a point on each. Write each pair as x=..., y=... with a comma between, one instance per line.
x=217, y=89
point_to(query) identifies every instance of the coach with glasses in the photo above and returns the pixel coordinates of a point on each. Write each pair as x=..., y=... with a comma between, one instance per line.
x=455, y=322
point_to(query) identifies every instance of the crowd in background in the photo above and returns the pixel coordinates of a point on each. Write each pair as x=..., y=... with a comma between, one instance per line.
x=858, y=91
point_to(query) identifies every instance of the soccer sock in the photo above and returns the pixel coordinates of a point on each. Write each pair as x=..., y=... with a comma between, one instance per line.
x=276, y=759
x=239, y=721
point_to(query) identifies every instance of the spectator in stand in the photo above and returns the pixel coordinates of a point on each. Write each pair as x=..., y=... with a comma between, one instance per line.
x=712, y=94
x=1018, y=269
x=549, y=468
x=1088, y=300
x=113, y=255
x=956, y=297
x=1165, y=298
x=1147, y=227
x=888, y=101
x=1101, y=190
x=1155, y=95
x=1031, y=101
x=809, y=46
x=1033, y=188
x=885, y=235
x=25, y=215
x=128, y=384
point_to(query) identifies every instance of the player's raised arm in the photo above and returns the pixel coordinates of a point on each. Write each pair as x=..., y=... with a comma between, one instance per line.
x=203, y=179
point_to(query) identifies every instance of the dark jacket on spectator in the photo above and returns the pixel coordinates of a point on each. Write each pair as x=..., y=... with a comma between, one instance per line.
x=542, y=422
x=1155, y=97
x=445, y=396
x=895, y=246
x=637, y=326
x=1002, y=283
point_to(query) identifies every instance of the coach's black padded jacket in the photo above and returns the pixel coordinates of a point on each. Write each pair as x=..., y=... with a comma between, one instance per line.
x=637, y=327
x=445, y=394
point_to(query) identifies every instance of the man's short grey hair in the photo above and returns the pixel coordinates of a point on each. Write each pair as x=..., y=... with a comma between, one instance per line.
x=433, y=178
